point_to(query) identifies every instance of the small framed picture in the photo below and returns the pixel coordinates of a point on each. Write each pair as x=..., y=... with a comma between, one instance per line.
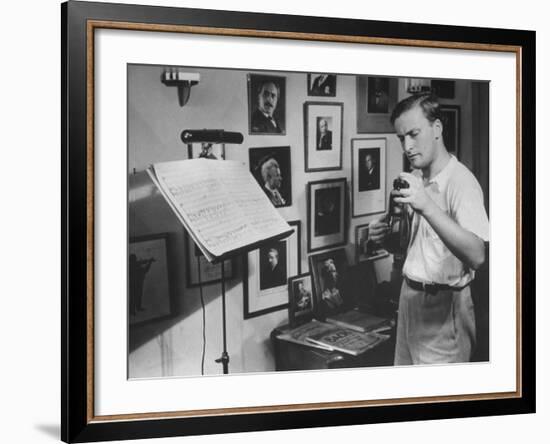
x=323, y=135
x=444, y=89
x=266, y=273
x=301, y=304
x=330, y=282
x=215, y=151
x=271, y=168
x=326, y=216
x=376, y=98
x=199, y=270
x=321, y=85
x=266, y=104
x=368, y=160
x=150, y=292
x=450, y=118
x=366, y=249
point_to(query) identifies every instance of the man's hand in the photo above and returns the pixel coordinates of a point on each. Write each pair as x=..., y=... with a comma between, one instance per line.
x=378, y=230
x=415, y=195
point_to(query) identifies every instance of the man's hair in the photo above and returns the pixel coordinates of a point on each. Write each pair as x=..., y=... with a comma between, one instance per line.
x=427, y=102
x=267, y=166
x=267, y=82
x=274, y=250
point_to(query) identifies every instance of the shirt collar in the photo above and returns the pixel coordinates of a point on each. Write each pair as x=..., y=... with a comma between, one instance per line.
x=442, y=178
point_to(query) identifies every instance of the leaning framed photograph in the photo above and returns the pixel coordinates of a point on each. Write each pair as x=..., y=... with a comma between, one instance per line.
x=301, y=303
x=119, y=117
x=368, y=184
x=323, y=123
x=266, y=272
x=326, y=214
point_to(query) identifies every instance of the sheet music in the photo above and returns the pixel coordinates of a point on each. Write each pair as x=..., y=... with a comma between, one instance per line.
x=219, y=202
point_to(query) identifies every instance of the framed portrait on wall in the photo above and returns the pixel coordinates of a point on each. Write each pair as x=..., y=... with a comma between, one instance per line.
x=266, y=271
x=444, y=89
x=326, y=217
x=199, y=270
x=271, y=168
x=323, y=135
x=368, y=180
x=266, y=104
x=150, y=293
x=321, y=85
x=376, y=98
x=450, y=116
x=365, y=248
x=214, y=151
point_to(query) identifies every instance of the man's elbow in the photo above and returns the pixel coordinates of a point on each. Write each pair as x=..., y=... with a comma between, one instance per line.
x=477, y=259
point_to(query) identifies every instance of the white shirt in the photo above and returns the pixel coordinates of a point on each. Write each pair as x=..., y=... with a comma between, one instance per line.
x=457, y=192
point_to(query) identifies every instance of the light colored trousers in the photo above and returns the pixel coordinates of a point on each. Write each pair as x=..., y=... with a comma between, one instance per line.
x=434, y=328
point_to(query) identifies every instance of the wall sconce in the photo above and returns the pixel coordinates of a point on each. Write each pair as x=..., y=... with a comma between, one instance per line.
x=182, y=80
x=415, y=86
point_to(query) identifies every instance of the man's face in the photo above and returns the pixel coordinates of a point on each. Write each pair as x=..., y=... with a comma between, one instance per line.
x=323, y=126
x=331, y=270
x=418, y=137
x=368, y=162
x=273, y=258
x=267, y=100
x=275, y=179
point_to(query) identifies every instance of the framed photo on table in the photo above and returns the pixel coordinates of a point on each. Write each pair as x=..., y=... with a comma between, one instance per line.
x=368, y=182
x=99, y=41
x=301, y=300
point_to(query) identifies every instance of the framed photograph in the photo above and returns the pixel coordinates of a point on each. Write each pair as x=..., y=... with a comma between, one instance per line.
x=271, y=168
x=150, y=296
x=215, y=151
x=450, y=115
x=199, y=270
x=365, y=248
x=326, y=216
x=103, y=124
x=368, y=165
x=266, y=104
x=323, y=136
x=331, y=282
x=444, y=89
x=376, y=98
x=321, y=85
x=301, y=303
x=266, y=273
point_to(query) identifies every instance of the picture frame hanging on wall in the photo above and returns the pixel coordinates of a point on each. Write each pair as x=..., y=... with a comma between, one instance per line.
x=100, y=40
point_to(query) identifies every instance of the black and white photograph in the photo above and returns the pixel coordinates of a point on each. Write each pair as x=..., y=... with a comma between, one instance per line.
x=271, y=126
x=368, y=158
x=321, y=85
x=267, y=270
x=271, y=168
x=266, y=104
x=301, y=302
x=365, y=248
x=149, y=287
x=323, y=135
x=326, y=213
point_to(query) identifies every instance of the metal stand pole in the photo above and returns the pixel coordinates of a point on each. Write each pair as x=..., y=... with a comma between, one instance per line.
x=224, y=359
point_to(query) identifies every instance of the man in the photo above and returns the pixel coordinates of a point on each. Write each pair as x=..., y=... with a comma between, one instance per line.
x=263, y=120
x=324, y=136
x=271, y=175
x=330, y=296
x=303, y=297
x=369, y=178
x=436, y=317
x=324, y=85
x=273, y=274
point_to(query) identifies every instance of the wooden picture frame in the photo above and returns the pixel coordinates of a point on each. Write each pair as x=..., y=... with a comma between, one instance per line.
x=323, y=135
x=275, y=163
x=301, y=300
x=258, y=124
x=450, y=116
x=321, y=84
x=84, y=419
x=265, y=288
x=376, y=97
x=327, y=210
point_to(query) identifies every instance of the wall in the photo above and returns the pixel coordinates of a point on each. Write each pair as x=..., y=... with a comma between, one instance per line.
x=155, y=122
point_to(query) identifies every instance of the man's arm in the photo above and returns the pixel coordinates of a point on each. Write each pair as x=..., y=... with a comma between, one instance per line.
x=464, y=244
